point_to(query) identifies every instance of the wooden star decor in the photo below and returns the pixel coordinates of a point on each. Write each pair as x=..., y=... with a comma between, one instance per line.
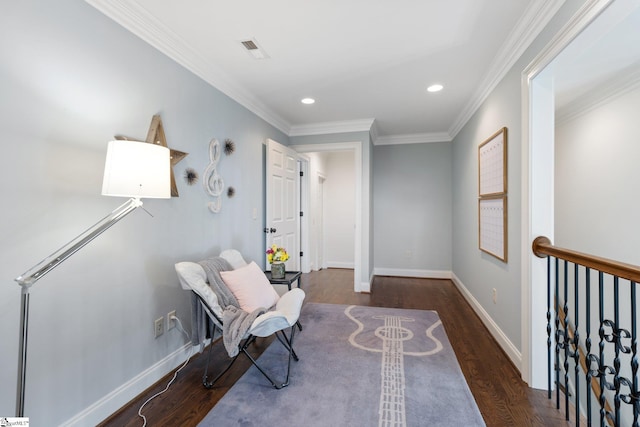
x=156, y=136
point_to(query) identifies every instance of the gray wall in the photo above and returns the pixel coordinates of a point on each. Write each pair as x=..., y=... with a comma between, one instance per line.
x=597, y=186
x=412, y=207
x=70, y=79
x=478, y=272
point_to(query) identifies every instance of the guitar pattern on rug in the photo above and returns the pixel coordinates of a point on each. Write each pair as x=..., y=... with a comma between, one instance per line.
x=393, y=335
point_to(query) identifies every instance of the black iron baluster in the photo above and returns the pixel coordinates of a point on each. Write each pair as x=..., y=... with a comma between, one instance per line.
x=576, y=342
x=616, y=338
x=587, y=341
x=566, y=341
x=549, y=327
x=557, y=334
x=631, y=398
x=601, y=366
x=634, y=357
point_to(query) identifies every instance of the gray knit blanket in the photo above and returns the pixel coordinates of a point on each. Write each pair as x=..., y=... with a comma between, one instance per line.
x=235, y=321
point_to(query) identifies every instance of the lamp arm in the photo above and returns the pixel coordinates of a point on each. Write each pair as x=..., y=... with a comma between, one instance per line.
x=35, y=273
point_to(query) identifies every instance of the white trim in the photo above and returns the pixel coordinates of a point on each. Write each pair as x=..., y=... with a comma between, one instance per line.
x=582, y=18
x=362, y=125
x=374, y=132
x=340, y=264
x=366, y=287
x=537, y=16
x=416, y=138
x=606, y=92
x=404, y=272
x=109, y=404
x=356, y=146
x=533, y=221
x=305, y=206
x=140, y=22
x=507, y=346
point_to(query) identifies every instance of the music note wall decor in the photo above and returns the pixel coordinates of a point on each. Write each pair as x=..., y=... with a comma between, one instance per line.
x=492, y=195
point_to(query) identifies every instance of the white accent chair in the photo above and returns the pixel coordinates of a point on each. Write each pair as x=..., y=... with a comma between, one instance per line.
x=283, y=316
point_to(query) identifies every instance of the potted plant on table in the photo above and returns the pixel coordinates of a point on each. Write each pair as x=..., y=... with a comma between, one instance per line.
x=276, y=256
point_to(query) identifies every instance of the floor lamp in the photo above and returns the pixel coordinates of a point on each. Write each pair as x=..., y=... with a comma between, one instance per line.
x=132, y=169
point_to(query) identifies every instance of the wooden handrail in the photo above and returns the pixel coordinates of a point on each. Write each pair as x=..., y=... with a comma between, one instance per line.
x=543, y=248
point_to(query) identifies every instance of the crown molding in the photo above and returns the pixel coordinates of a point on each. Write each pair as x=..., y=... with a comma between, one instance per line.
x=535, y=18
x=140, y=22
x=361, y=125
x=614, y=87
x=415, y=138
x=374, y=133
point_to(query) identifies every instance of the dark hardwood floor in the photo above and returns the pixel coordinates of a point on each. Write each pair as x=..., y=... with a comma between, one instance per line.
x=503, y=398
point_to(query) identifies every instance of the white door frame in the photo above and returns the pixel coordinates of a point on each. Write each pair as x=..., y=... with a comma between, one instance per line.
x=538, y=126
x=321, y=259
x=359, y=237
x=303, y=162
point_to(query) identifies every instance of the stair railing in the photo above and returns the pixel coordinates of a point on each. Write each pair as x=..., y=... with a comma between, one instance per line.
x=610, y=371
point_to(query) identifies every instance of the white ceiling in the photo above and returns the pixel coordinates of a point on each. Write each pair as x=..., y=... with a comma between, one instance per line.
x=363, y=61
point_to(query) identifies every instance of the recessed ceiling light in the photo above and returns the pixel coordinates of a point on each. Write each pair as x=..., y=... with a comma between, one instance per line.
x=435, y=88
x=307, y=101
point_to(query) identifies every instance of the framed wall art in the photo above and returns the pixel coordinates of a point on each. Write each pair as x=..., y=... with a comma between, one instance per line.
x=492, y=214
x=492, y=195
x=492, y=164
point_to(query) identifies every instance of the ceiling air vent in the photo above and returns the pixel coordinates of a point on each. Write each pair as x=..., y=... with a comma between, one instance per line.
x=249, y=44
x=252, y=47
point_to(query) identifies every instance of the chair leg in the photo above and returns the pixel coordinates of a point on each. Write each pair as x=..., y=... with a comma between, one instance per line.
x=205, y=378
x=287, y=343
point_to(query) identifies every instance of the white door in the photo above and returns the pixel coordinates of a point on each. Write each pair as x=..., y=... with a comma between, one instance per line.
x=283, y=204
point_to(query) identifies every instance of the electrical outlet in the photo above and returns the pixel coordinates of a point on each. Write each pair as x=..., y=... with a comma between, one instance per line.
x=495, y=295
x=158, y=327
x=171, y=323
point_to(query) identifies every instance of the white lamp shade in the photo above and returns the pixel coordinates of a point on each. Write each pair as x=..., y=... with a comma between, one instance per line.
x=137, y=169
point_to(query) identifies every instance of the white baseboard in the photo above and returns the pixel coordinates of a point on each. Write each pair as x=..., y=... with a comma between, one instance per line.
x=399, y=272
x=507, y=346
x=122, y=395
x=339, y=264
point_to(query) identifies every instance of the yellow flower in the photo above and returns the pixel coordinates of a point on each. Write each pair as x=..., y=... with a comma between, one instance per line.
x=276, y=254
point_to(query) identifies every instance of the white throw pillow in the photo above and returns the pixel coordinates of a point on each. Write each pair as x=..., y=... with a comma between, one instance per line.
x=251, y=287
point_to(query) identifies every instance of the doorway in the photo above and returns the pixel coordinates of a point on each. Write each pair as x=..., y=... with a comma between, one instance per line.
x=358, y=231
x=541, y=84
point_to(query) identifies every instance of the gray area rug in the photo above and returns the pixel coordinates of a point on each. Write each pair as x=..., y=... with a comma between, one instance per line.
x=359, y=366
